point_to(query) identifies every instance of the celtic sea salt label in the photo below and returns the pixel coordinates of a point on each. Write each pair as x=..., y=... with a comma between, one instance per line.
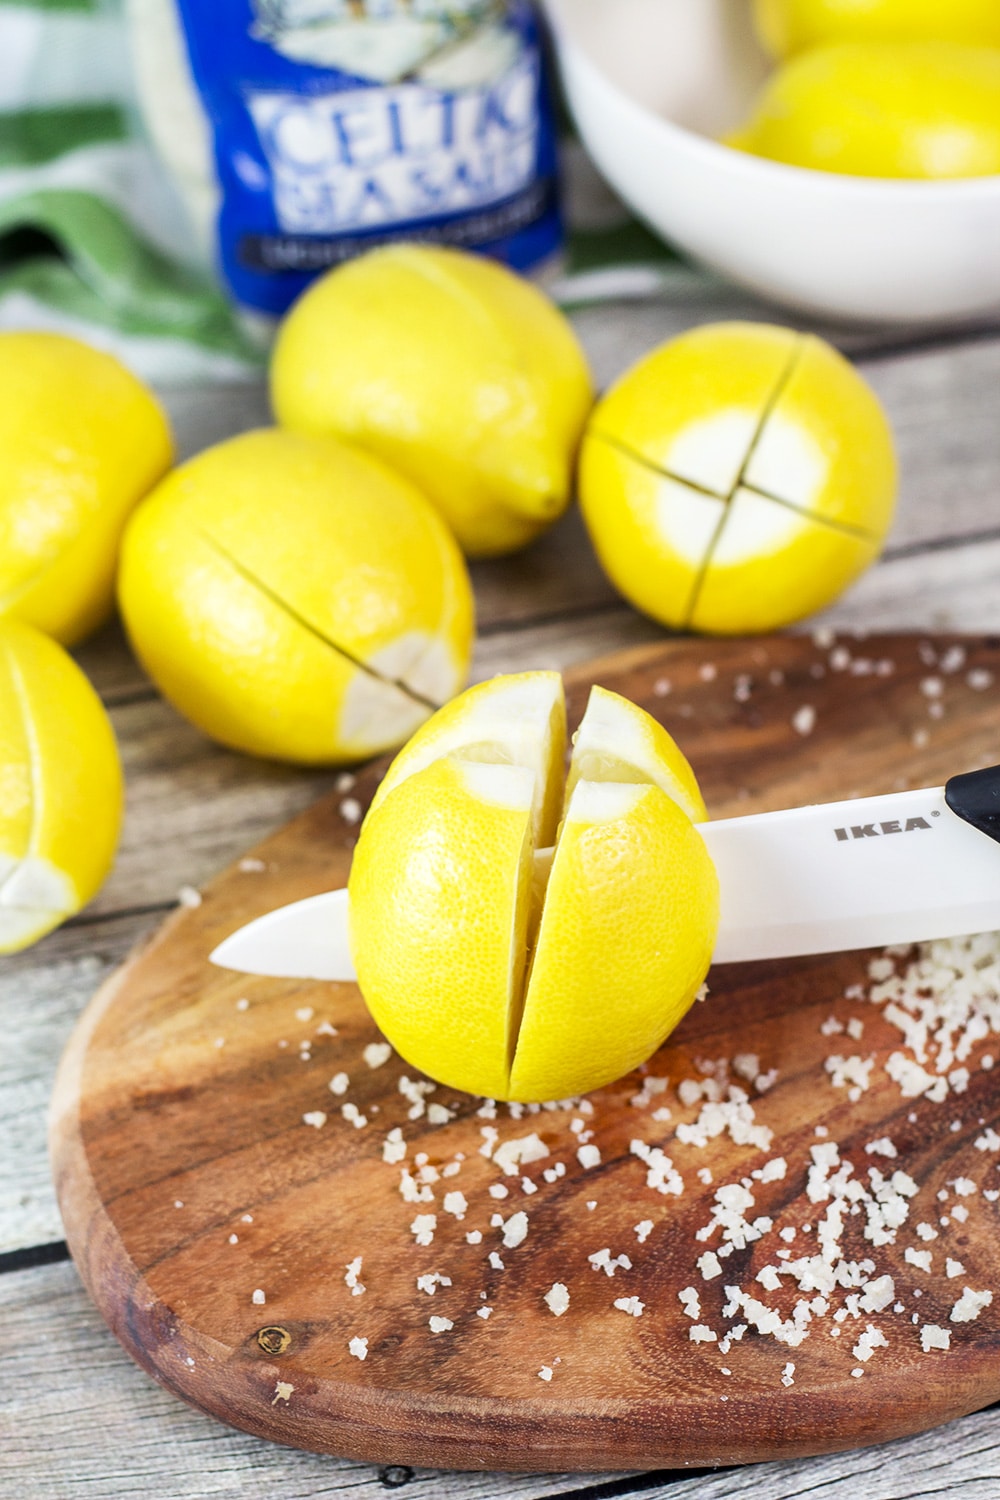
x=302, y=132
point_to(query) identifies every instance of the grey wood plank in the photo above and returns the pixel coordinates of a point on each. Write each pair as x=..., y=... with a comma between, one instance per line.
x=79, y=1418
x=949, y=588
x=42, y=991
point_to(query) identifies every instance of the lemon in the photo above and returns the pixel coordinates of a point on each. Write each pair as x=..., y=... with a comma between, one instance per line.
x=789, y=26
x=82, y=441
x=295, y=598
x=737, y=478
x=515, y=970
x=907, y=109
x=60, y=787
x=453, y=369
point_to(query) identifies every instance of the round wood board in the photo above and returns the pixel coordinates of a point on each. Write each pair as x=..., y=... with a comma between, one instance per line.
x=214, y=1225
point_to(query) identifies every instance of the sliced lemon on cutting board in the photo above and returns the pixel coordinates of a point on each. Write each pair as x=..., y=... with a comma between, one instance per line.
x=294, y=597
x=60, y=787
x=737, y=478
x=508, y=965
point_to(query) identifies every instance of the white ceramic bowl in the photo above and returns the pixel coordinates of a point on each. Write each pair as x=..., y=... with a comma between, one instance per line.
x=652, y=82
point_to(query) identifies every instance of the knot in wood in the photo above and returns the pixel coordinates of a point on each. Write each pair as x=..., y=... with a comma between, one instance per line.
x=274, y=1340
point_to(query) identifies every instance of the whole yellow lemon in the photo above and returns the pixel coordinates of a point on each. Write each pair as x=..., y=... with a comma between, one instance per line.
x=789, y=26
x=60, y=787
x=522, y=934
x=296, y=598
x=82, y=441
x=737, y=478
x=456, y=371
x=907, y=109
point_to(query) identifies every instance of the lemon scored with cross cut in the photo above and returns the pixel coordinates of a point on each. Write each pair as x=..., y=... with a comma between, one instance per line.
x=737, y=479
x=518, y=932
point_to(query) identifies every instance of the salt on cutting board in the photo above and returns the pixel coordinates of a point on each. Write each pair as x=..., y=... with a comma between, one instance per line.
x=777, y=1238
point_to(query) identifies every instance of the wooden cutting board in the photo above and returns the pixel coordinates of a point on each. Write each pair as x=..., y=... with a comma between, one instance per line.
x=217, y=1185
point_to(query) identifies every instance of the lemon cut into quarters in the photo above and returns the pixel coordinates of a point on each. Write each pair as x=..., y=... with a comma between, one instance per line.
x=521, y=939
x=60, y=787
x=737, y=479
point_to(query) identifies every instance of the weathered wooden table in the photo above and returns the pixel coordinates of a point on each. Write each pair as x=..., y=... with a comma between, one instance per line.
x=76, y=1417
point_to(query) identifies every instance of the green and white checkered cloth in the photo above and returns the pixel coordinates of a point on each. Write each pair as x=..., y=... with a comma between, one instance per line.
x=93, y=241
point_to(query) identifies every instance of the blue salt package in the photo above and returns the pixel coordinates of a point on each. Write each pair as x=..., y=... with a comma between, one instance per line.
x=337, y=125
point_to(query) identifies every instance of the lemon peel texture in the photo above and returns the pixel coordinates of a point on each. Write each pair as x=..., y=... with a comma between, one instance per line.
x=295, y=598
x=509, y=966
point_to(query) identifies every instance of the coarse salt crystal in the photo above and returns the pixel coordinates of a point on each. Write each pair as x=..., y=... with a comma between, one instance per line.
x=258, y=1299
x=588, y=1157
x=970, y=1305
x=557, y=1298
x=630, y=1305
x=804, y=719
x=439, y=1325
x=709, y=1265
x=423, y=1228
x=934, y=1337
x=188, y=896
x=339, y=1083
x=545, y=1373
x=642, y=1230
x=359, y=1348
x=377, y=1053
x=315, y=1118
x=702, y=1334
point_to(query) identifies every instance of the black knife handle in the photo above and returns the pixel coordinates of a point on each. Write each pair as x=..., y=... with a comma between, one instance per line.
x=975, y=798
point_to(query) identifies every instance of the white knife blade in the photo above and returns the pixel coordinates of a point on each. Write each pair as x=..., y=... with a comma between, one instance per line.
x=863, y=873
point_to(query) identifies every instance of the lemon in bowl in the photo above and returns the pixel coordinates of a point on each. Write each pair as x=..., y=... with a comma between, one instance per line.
x=60, y=787
x=787, y=27
x=737, y=479
x=922, y=110
x=518, y=932
x=82, y=441
x=459, y=373
x=655, y=87
x=296, y=598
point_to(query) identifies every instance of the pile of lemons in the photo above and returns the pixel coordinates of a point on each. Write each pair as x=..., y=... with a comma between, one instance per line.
x=301, y=592
x=880, y=88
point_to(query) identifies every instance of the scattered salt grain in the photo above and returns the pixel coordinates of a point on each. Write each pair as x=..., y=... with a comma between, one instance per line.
x=359, y=1348
x=545, y=1373
x=557, y=1298
x=339, y=1083
x=630, y=1305
x=188, y=896
x=934, y=1337
x=258, y=1299
x=423, y=1228
x=970, y=1305
x=642, y=1230
x=804, y=719
x=588, y=1157
x=430, y=1281
x=314, y=1117
x=377, y=1053
x=352, y=1277
x=439, y=1325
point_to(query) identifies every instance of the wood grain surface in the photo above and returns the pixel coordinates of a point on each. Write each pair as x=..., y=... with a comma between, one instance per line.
x=189, y=1175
